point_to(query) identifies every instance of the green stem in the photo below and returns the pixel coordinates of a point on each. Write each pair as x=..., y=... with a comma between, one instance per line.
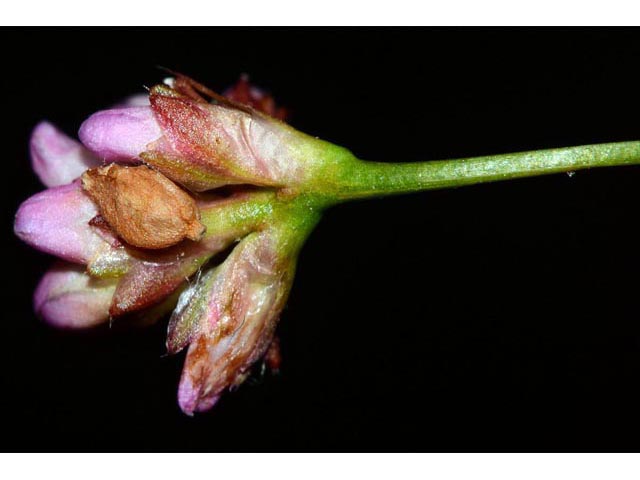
x=369, y=179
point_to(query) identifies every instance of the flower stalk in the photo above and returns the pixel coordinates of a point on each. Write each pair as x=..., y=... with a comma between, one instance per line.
x=362, y=179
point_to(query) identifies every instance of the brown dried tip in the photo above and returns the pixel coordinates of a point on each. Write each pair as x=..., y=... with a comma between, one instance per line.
x=142, y=206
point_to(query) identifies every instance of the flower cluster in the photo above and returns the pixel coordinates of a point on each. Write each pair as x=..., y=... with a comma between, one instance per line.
x=164, y=186
x=158, y=187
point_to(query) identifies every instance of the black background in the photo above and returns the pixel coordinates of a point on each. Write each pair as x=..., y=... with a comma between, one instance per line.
x=495, y=317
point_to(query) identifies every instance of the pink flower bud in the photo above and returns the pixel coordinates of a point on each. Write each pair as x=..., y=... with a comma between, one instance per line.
x=69, y=298
x=120, y=134
x=56, y=158
x=56, y=221
x=203, y=145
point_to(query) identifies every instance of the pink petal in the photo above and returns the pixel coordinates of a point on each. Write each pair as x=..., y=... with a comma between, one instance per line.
x=69, y=298
x=56, y=221
x=120, y=134
x=56, y=158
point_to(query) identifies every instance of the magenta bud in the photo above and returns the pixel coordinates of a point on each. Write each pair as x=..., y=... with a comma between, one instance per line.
x=56, y=158
x=120, y=134
x=67, y=297
x=56, y=221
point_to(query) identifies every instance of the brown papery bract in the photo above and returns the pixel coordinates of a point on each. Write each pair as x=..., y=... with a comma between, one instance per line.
x=142, y=206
